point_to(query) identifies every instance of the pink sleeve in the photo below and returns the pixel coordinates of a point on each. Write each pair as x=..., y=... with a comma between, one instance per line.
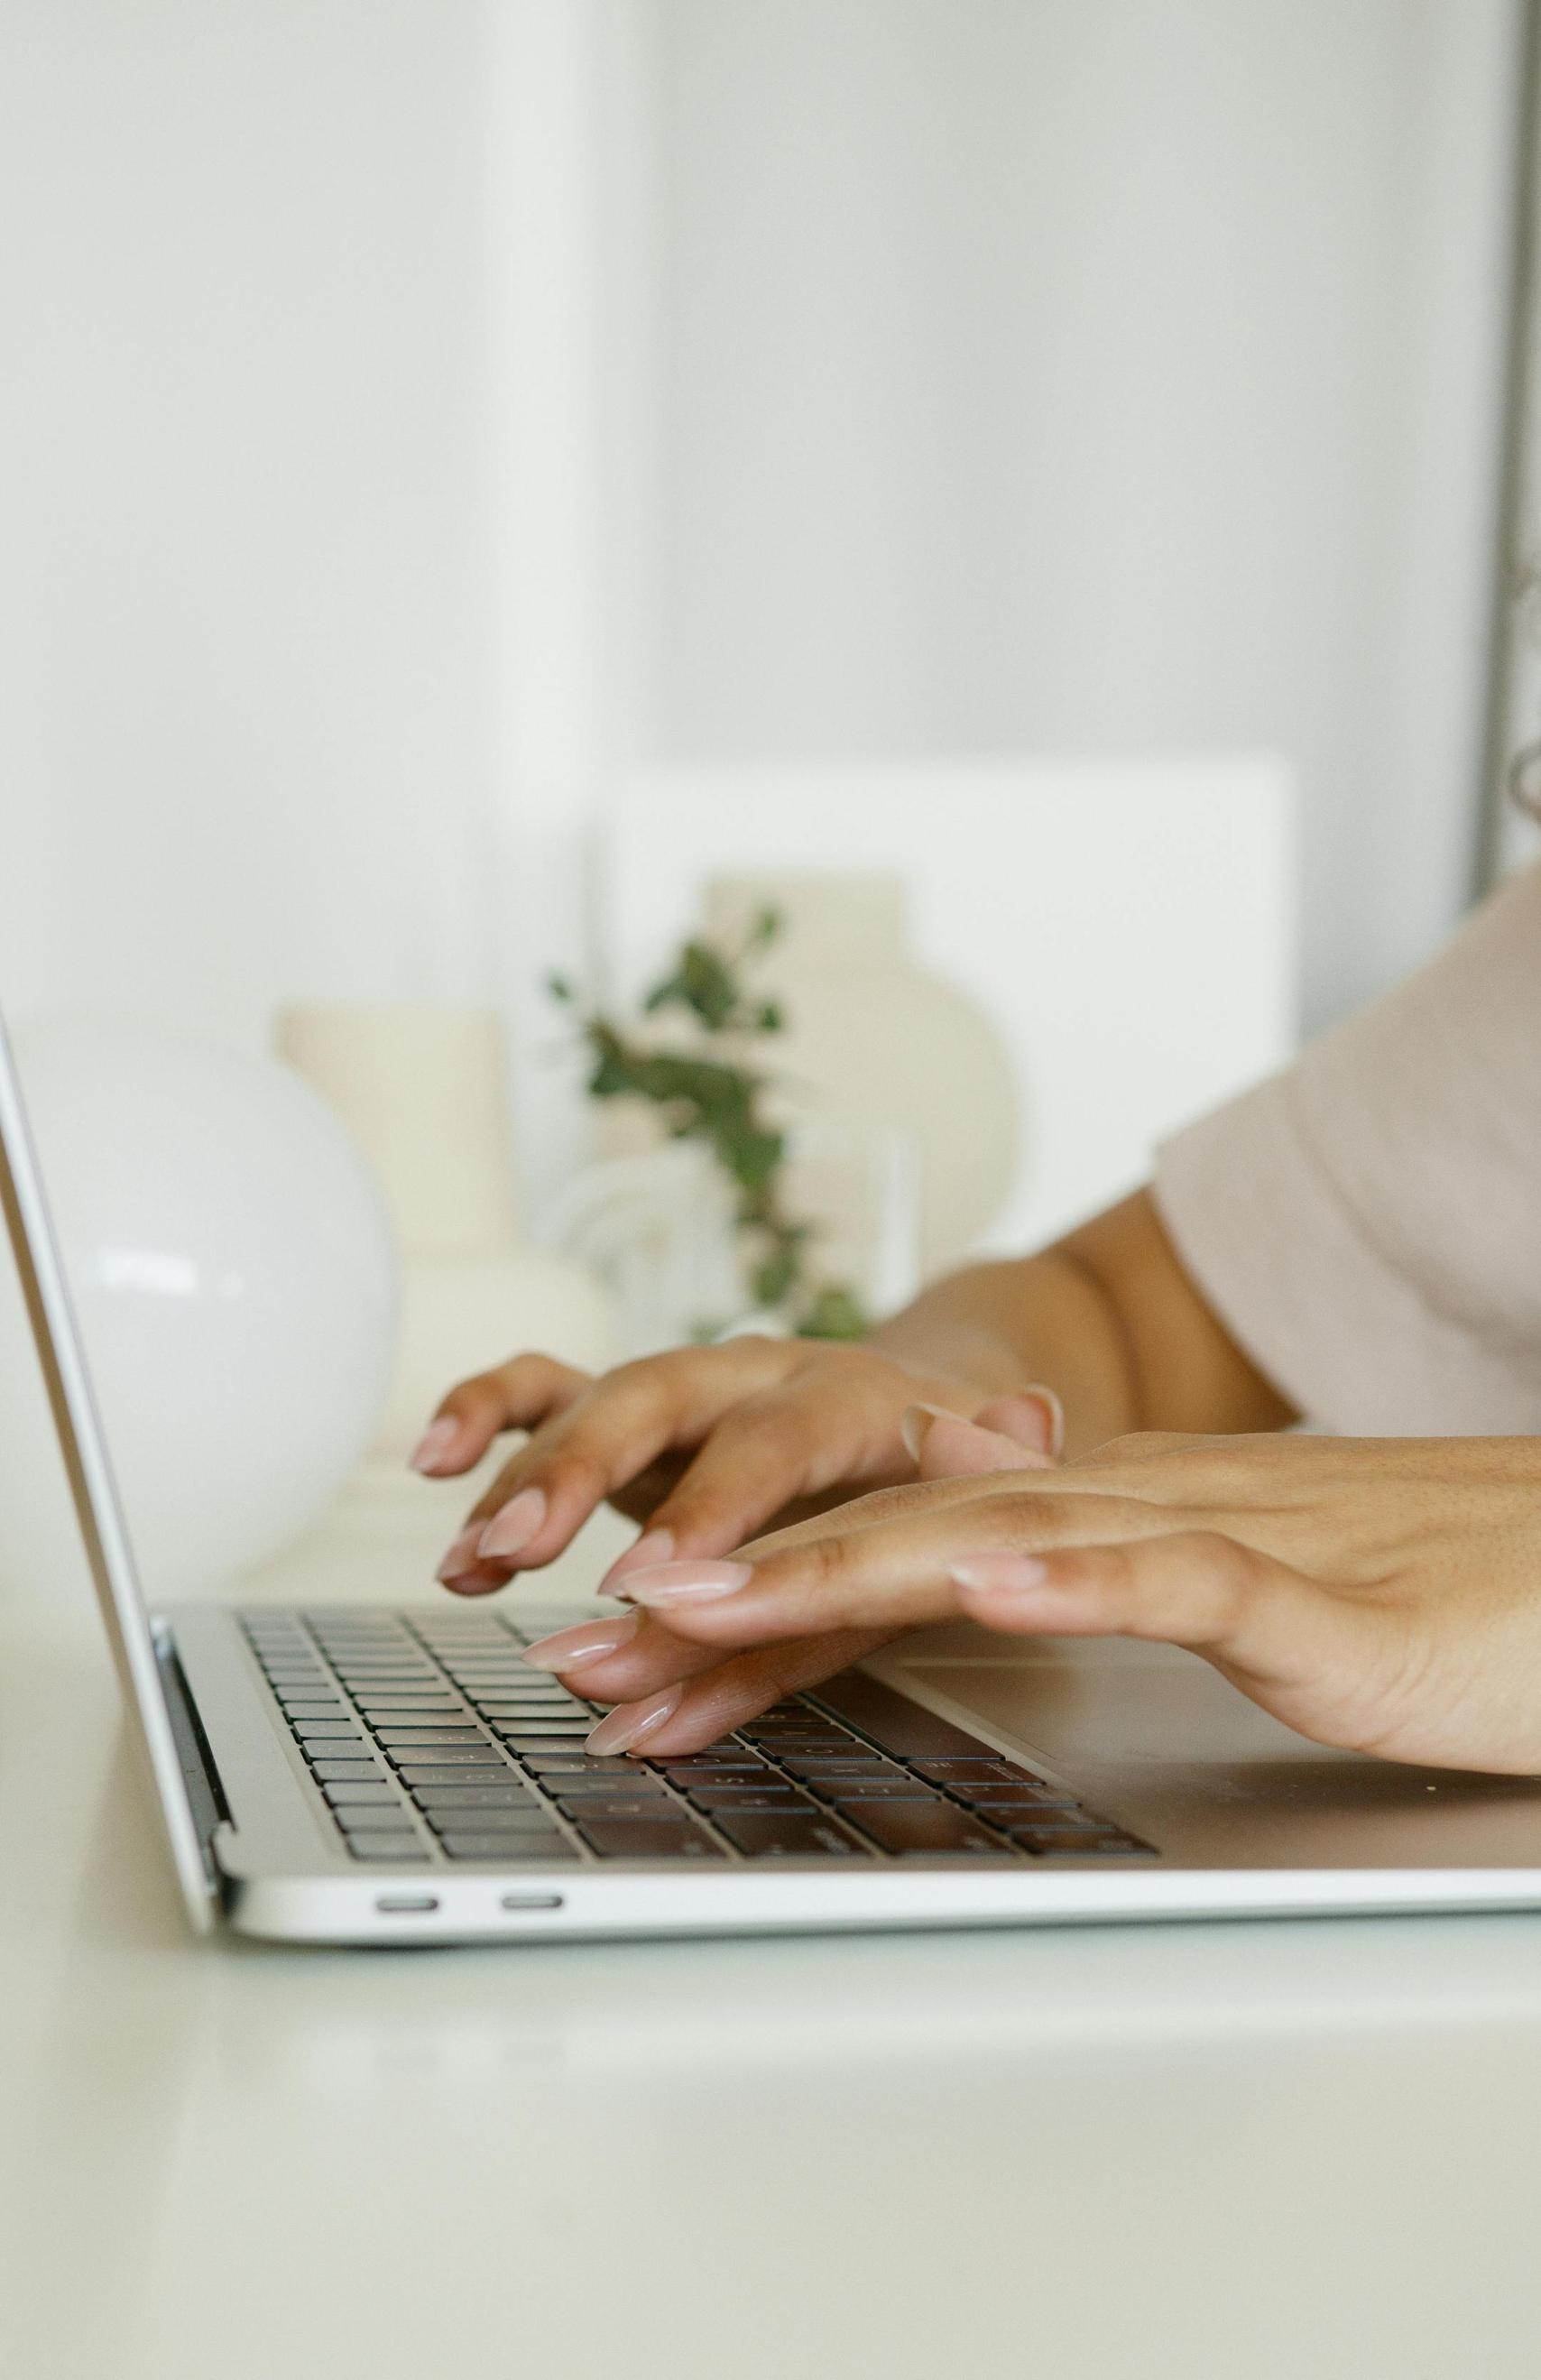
x=1369, y=1225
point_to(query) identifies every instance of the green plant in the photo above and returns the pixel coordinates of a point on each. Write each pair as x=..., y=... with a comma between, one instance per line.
x=715, y=1094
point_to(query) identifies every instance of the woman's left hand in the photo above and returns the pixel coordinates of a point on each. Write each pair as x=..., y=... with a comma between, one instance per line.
x=1381, y=1593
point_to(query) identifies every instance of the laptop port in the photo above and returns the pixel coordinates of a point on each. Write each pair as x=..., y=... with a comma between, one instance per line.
x=531, y=1900
x=406, y=1905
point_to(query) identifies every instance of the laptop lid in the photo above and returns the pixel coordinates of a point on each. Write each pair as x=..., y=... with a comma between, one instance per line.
x=98, y=1507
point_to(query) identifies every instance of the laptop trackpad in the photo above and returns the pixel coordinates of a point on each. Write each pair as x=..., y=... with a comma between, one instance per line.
x=1159, y=1738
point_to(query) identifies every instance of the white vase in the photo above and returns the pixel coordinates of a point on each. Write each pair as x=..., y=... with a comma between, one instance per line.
x=424, y=1092
x=875, y=1043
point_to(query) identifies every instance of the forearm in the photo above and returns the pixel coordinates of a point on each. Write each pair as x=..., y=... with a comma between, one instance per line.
x=1107, y=1319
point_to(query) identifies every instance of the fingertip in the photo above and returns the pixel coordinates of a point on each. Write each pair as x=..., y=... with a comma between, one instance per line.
x=1034, y=1417
x=437, y=1450
x=955, y=1449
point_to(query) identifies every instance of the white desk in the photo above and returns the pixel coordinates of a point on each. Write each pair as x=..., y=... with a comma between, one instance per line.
x=1223, y=2153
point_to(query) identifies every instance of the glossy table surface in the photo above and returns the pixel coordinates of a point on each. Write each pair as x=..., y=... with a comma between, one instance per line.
x=1245, y=2151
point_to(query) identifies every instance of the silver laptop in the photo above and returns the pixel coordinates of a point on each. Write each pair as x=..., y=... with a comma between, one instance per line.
x=345, y=1774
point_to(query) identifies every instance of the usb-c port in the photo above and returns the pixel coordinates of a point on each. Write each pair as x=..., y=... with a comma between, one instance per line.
x=531, y=1900
x=406, y=1905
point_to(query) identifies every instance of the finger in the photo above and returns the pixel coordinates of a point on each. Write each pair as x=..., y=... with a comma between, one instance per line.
x=619, y=1658
x=587, y=1450
x=515, y=1396
x=893, y=1570
x=1035, y=1417
x=685, y=1719
x=1316, y=1660
x=768, y=1453
x=953, y=1448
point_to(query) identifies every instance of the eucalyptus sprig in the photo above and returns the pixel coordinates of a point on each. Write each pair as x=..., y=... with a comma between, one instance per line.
x=720, y=1101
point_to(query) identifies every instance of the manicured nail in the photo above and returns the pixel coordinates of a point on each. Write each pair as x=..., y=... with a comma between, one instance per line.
x=999, y=1573
x=510, y=1531
x=914, y=1421
x=651, y=1551
x=571, y=1647
x=629, y=1723
x=434, y=1443
x=688, y=1582
x=461, y=1557
x=1056, y=1416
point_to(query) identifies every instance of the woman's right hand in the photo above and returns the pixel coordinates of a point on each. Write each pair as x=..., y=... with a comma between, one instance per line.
x=705, y=1446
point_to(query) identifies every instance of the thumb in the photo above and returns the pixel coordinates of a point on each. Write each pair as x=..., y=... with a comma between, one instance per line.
x=1034, y=1416
x=947, y=1446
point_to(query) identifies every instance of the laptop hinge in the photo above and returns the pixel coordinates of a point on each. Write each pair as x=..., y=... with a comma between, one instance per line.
x=206, y=1796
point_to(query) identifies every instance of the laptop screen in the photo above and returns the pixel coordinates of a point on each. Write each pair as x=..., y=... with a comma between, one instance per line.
x=98, y=1506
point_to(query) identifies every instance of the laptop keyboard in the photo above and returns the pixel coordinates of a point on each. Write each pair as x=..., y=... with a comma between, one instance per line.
x=429, y=1739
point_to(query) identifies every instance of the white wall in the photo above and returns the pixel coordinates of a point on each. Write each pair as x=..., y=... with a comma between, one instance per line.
x=1037, y=375
x=975, y=375
x=244, y=616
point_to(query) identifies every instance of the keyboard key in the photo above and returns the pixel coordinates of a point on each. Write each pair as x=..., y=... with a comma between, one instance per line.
x=871, y=1789
x=712, y=1798
x=403, y=1849
x=639, y=1782
x=436, y=1736
x=647, y=1839
x=522, y=1741
x=614, y=1805
x=512, y=1849
x=365, y=1821
x=381, y=1796
x=327, y=1730
x=1015, y=1797
x=582, y=1764
x=476, y=1753
x=348, y=1772
x=312, y=1708
x=710, y=1771
x=522, y=1823
x=786, y=1834
x=911, y=1829
x=476, y=1797
x=415, y=1773
x=408, y=1708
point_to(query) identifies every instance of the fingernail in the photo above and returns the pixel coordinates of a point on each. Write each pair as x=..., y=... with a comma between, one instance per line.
x=434, y=1443
x=649, y=1552
x=999, y=1573
x=571, y=1647
x=686, y=1581
x=1056, y=1416
x=461, y=1557
x=629, y=1723
x=914, y=1421
x=509, y=1531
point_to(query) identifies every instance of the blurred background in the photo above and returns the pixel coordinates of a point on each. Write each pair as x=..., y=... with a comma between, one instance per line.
x=1039, y=495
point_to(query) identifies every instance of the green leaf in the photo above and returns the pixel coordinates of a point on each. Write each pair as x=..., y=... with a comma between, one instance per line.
x=833, y=1312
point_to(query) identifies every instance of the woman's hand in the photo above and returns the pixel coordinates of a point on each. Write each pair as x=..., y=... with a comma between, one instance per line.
x=1382, y=1595
x=706, y=1445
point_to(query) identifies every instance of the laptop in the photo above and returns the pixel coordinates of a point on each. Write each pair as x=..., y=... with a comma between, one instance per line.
x=343, y=1774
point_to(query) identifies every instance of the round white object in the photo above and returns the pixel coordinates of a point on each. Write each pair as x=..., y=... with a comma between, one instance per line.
x=234, y=1277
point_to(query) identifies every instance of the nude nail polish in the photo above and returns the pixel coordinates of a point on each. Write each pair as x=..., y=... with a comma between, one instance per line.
x=1046, y=1397
x=461, y=1557
x=914, y=1421
x=629, y=1723
x=688, y=1582
x=651, y=1551
x=569, y=1648
x=434, y=1443
x=510, y=1531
